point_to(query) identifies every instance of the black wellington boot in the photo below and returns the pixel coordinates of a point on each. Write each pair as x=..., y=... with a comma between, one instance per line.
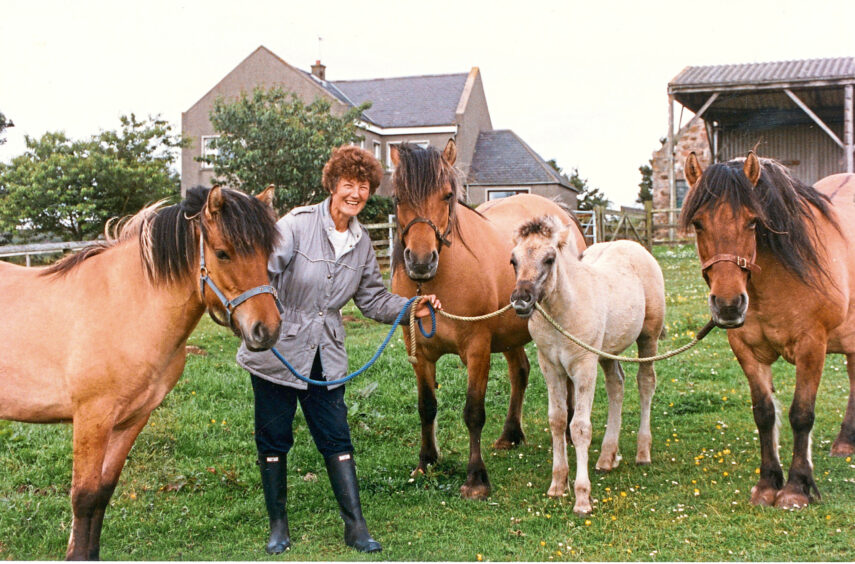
x=273, y=482
x=342, y=471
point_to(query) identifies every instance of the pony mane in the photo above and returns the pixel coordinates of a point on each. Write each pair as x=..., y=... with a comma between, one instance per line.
x=543, y=226
x=782, y=203
x=169, y=247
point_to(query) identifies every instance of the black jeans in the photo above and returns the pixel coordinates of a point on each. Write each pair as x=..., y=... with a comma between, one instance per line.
x=324, y=410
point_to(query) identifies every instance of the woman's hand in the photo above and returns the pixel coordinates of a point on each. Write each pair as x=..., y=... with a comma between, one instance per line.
x=423, y=310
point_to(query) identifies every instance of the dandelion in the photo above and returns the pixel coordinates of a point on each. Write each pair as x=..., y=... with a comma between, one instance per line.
x=828, y=517
x=697, y=491
x=542, y=543
x=614, y=518
x=848, y=459
x=756, y=470
x=623, y=494
x=587, y=522
x=213, y=420
x=725, y=474
x=480, y=557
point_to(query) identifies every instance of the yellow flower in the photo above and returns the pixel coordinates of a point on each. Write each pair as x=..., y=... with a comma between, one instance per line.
x=828, y=517
x=213, y=420
x=623, y=494
x=614, y=518
x=542, y=543
x=133, y=495
x=480, y=557
x=724, y=474
x=587, y=522
x=756, y=470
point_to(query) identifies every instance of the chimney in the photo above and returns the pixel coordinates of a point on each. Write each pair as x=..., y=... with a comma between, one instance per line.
x=319, y=70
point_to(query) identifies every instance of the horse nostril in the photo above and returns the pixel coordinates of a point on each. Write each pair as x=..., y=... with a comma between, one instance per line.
x=260, y=333
x=434, y=257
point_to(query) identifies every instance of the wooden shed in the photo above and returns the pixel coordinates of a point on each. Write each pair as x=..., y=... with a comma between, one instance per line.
x=798, y=112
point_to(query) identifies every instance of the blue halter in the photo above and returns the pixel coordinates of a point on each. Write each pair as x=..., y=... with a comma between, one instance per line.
x=229, y=305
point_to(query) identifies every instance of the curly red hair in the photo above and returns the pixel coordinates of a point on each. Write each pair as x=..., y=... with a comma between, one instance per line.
x=353, y=163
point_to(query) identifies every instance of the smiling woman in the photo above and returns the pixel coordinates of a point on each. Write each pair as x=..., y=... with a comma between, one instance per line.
x=324, y=260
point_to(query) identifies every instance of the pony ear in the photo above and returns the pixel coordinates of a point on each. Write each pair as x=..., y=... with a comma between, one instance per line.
x=692, y=169
x=752, y=168
x=267, y=195
x=394, y=154
x=215, y=201
x=450, y=152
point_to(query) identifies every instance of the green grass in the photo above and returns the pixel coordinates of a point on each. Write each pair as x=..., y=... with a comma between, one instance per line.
x=190, y=490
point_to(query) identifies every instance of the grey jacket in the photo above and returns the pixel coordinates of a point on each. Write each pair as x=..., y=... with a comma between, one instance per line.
x=313, y=287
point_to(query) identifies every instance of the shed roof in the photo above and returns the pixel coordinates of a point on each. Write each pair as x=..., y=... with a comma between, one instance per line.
x=409, y=101
x=758, y=74
x=756, y=90
x=502, y=158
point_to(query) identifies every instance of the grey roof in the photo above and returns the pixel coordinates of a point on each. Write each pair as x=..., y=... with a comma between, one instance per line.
x=502, y=158
x=840, y=68
x=410, y=101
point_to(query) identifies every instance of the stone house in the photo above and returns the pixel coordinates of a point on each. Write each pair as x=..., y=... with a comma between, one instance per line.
x=425, y=110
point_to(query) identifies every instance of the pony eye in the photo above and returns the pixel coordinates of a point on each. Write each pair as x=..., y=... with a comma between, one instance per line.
x=513, y=262
x=697, y=225
x=448, y=196
x=548, y=261
x=222, y=255
x=752, y=225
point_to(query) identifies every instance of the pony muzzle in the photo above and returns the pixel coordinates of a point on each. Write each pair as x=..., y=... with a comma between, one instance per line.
x=421, y=267
x=523, y=301
x=729, y=313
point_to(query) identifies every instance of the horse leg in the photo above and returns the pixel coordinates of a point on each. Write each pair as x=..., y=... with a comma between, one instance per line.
x=646, y=380
x=844, y=444
x=518, y=369
x=477, y=485
x=118, y=447
x=426, y=385
x=571, y=409
x=556, y=385
x=584, y=376
x=800, y=486
x=765, y=417
x=610, y=454
x=91, y=434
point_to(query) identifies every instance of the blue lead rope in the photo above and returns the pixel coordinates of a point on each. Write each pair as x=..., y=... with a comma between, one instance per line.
x=376, y=354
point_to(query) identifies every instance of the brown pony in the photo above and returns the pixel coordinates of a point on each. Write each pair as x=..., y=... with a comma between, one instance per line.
x=779, y=258
x=461, y=255
x=98, y=339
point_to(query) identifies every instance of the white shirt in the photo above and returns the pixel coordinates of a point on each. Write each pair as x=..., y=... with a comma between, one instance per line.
x=342, y=241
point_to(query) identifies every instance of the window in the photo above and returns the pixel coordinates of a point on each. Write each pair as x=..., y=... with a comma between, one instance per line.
x=389, y=166
x=505, y=193
x=377, y=154
x=208, y=150
x=681, y=187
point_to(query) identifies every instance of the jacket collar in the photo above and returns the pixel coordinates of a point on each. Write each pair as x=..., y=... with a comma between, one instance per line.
x=354, y=227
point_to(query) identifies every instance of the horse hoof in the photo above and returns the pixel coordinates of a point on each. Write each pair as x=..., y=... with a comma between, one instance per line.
x=504, y=444
x=764, y=497
x=842, y=449
x=642, y=462
x=417, y=472
x=479, y=492
x=582, y=510
x=788, y=499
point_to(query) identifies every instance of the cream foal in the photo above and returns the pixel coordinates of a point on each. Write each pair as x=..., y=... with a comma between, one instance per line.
x=612, y=295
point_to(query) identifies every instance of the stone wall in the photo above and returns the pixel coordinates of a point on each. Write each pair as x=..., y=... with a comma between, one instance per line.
x=688, y=139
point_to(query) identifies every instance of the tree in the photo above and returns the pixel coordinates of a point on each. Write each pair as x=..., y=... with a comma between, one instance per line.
x=4, y=124
x=271, y=137
x=589, y=197
x=645, y=187
x=70, y=188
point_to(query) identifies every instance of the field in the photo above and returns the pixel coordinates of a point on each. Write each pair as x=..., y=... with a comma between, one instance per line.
x=191, y=490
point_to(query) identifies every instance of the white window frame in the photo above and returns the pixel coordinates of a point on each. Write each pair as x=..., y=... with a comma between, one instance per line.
x=206, y=151
x=378, y=150
x=496, y=190
x=423, y=143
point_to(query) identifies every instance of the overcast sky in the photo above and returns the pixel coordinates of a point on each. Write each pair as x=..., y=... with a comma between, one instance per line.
x=583, y=82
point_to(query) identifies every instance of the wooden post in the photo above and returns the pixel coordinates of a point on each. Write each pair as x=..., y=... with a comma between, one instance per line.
x=599, y=214
x=848, y=127
x=648, y=224
x=672, y=183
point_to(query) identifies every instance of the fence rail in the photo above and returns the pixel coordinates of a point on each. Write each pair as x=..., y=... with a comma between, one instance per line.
x=648, y=226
